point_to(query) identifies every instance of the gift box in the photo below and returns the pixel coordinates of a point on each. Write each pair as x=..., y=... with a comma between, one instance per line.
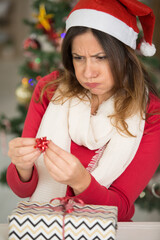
x=62, y=220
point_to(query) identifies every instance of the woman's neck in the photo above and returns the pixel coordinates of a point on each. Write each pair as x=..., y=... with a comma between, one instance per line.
x=96, y=101
x=94, y=104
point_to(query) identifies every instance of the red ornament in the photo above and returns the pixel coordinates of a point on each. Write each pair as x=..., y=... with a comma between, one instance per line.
x=34, y=65
x=52, y=34
x=38, y=78
x=41, y=143
x=31, y=43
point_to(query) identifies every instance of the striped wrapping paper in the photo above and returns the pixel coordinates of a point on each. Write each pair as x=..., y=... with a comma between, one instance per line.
x=33, y=220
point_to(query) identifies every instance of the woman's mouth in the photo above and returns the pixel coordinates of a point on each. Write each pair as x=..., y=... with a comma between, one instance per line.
x=92, y=85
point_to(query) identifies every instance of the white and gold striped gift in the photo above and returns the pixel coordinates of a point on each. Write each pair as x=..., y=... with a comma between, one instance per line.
x=33, y=220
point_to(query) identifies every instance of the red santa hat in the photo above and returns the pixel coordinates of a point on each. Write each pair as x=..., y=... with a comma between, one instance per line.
x=117, y=18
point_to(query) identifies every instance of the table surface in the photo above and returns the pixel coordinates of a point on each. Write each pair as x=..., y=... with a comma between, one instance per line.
x=126, y=231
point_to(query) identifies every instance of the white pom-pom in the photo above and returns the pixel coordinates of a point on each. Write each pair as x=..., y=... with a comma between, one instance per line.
x=147, y=50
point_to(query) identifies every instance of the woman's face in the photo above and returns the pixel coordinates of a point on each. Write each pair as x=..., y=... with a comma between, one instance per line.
x=91, y=66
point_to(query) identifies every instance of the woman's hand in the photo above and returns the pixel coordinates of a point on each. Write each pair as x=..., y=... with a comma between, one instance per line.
x=66, y=168
x=23, y=155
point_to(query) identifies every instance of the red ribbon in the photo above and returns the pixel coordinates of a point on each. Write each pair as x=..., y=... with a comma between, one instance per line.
x=67, y=206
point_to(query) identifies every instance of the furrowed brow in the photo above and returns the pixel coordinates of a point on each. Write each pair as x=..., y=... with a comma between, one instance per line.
x=97, y=54
x=76, y=54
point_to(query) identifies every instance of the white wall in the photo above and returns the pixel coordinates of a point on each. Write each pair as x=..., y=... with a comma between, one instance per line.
x=11, y=58
x=8, y=200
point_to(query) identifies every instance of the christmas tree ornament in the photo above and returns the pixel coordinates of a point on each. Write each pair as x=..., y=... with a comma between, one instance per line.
x=156, y=189
x=24, y=92
x=31, y=43
x=52, y=35
x=35, y=64
x=38, y=78
x=43, y=18
x=46, y=22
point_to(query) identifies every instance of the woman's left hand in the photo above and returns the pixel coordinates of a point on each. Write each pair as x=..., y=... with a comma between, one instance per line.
x=66, y=168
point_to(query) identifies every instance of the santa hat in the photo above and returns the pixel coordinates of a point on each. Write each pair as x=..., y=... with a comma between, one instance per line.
x=117, y=18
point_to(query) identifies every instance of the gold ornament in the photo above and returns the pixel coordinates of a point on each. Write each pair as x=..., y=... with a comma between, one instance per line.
x=24, y=92
x=43, y=18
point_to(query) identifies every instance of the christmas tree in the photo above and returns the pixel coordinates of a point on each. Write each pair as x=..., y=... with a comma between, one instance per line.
x=42, y=56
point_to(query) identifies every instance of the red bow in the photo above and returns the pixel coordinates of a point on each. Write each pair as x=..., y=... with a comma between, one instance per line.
x=67, y=204
x=41, y=143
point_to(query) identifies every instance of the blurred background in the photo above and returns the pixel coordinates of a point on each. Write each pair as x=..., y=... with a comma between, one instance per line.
x=31, y=32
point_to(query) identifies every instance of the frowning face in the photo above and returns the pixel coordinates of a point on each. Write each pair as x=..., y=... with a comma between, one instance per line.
x=91, y=65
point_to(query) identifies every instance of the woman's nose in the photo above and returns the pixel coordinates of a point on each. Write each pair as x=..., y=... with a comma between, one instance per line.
x=89, y=70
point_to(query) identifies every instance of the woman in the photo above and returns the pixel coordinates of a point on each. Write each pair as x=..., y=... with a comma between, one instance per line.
x=101, y=116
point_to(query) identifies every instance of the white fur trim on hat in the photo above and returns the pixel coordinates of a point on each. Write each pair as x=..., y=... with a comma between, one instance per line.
x=103, y=22
x=147, y=50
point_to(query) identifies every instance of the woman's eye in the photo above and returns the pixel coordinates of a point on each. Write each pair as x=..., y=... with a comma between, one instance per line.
x=102, y=57
x=78, y=58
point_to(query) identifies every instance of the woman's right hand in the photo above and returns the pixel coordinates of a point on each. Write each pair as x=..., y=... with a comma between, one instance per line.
x=23, y=155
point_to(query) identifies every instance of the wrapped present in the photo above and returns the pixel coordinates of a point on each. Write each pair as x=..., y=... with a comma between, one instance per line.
x=66, y=219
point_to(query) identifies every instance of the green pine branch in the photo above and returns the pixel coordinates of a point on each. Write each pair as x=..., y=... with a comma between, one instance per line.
x=3, y=180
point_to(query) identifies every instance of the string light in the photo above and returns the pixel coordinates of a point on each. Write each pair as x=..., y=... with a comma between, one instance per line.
x=25, y=82
x=37, y=60
x=63, y=35
x=31, y=82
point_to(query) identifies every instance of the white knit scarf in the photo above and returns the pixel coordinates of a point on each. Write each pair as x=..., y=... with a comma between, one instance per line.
x=72, y=120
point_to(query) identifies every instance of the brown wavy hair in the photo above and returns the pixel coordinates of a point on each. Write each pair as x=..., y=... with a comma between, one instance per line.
x=132, y=82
